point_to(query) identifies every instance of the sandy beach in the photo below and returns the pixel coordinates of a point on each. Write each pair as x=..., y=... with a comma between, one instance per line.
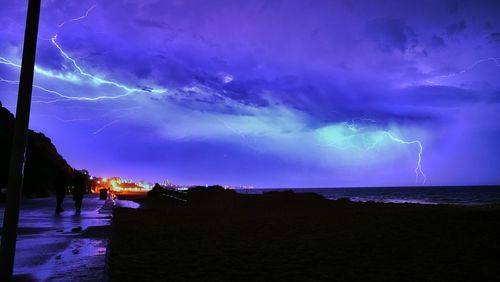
x=224, y=236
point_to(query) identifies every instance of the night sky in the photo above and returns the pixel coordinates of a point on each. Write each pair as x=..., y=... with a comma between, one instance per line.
x=266, y=93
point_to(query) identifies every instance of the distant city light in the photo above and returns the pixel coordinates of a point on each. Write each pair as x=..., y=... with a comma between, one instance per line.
x=119, y=185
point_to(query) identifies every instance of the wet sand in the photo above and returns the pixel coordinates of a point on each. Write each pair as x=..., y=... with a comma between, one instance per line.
x=290, y=237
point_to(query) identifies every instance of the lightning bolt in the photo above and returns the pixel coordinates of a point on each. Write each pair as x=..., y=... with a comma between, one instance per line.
x=370, y=140
x=63, y=97
x=118, y=119
x=98, y=80
x=9, y=63
x=47, y=73
x=105, y=126
x=496, y=61
x=66, y=120
x=79, y=18
x=72, y=78
x=418, y=169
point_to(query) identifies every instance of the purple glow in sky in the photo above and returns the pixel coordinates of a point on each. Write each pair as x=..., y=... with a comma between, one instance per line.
x=266, y=93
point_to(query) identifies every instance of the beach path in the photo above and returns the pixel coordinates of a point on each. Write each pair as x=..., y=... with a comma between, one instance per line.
x=52, y=247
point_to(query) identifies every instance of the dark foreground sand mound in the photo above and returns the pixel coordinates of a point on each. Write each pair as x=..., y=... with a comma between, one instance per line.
x=224, y=236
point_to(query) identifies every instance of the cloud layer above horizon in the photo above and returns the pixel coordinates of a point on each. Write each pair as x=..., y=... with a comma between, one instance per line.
x=266, y=93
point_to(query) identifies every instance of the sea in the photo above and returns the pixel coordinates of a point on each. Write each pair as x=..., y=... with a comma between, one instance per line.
x=461, y=195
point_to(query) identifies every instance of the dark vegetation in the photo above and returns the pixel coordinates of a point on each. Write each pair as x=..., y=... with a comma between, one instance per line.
x=43, y=162
x=284, y=236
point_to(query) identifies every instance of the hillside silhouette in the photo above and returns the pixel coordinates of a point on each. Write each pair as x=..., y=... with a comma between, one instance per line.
x=43, y=162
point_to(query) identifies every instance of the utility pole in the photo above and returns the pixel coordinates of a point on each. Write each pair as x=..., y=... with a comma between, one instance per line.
x=18, y=153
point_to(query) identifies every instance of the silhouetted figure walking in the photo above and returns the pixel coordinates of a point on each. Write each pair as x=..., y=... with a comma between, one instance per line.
x=79, y=191
x=61, y=184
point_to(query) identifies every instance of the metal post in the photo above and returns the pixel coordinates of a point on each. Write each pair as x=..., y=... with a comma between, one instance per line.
x=17, y=157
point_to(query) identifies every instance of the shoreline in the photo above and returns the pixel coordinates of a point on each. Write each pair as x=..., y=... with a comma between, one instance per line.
x=435, y=195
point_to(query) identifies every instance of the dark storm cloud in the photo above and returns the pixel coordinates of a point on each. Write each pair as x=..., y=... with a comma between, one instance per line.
x=391, y=34
x=266, y=69
x=142, y=71
x=494, y=38
x=248, y=92
x=437, y=42
x=454, y=6
x=494, y=97
x=456, y=28
x=442, y=96
x=153, y=24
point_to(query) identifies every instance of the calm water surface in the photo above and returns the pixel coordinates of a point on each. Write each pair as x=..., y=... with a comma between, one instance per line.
x=470, y=195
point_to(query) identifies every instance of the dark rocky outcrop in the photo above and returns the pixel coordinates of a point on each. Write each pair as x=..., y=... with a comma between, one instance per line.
x=43, y=162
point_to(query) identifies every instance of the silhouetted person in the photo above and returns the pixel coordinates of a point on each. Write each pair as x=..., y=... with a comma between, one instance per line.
x=79, y=191
x=61, y=184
